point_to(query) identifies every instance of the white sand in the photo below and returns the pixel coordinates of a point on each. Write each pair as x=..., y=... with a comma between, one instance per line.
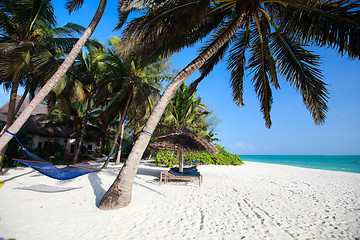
x=255, y=201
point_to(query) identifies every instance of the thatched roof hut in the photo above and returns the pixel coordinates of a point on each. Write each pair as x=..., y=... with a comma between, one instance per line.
x=183, y=140
x=34, y=124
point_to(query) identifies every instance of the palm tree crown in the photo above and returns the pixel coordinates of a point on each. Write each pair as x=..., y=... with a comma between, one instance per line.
x=274, y=33
x=29, y=38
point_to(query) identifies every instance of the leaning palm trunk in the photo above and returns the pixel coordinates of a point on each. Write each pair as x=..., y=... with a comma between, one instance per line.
x=10, y=117
x=18, y=106
x=14, y=128
x=22, y=99
x=82, y=134
x=114, y=144
x=122, y=120
x=118, y=156
x=119, y=194
x=11, y=109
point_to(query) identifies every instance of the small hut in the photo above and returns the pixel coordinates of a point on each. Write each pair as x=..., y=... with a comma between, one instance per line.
x=183, y=140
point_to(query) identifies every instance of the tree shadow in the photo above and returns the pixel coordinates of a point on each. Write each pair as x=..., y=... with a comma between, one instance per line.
x=150, y=171
x=20, y=175
x=99, y=191
x=42, y=188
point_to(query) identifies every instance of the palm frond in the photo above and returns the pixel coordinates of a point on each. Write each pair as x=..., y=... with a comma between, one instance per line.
x=163, y=31
x=263, y=67
x=236, y=63
x=209, y=65
x=125, y=7
x=41, y=15
x=68, y=30
x=72, y=5
x=14, y=61
x=299, y=67
x=327, y=23
x=44, y=62
x=5, y=21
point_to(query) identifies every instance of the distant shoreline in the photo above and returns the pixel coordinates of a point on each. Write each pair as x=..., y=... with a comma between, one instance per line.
x=339, y=163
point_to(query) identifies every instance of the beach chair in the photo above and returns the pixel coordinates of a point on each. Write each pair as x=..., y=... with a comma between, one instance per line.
x=188, y=175
x=195, y=163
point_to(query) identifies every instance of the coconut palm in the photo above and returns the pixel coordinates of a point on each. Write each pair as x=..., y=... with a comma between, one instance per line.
x=29, y=43
x=81, y=83
x=74, y=114
x=130, y=86
x=61, y=71
x=185, y=109
x=272, y=31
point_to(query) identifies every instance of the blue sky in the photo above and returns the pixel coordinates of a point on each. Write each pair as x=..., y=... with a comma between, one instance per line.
x=242, y=130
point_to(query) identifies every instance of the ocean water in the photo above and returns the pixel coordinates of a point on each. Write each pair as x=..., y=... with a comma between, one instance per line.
x=343, y=163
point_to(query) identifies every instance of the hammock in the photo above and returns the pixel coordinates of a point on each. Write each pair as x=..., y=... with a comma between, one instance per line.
x=50, y=170
x=68, y=172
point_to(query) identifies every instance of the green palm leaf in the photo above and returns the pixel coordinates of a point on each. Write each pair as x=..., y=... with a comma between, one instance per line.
x=236, y=63
x=332, y=23
x=299, y=67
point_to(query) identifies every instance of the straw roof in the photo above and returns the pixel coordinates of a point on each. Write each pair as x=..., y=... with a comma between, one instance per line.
x=183, y=139
x=40, y=109
x=34, y=124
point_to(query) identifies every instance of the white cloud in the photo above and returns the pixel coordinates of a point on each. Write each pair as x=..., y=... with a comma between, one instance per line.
x=244, y=145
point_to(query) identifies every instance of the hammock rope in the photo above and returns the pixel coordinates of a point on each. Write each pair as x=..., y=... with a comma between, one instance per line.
x=50, y=170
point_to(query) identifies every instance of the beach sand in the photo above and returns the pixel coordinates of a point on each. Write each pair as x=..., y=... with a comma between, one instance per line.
x=254, y=201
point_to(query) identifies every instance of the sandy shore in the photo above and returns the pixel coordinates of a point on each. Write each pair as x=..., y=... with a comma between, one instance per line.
x=255, y=201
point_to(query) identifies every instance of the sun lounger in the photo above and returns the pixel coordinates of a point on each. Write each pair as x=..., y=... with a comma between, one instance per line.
x=194, y=162
x=189, y=170
x=172, y=174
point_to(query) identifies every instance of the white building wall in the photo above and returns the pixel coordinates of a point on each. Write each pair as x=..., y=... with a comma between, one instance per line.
x=66, y=142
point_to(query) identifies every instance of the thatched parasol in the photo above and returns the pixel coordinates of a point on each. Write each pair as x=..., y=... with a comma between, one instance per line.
x=183, y=140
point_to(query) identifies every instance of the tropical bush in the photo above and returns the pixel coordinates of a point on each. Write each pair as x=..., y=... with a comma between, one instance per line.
x=14, y=149
x=169, y=158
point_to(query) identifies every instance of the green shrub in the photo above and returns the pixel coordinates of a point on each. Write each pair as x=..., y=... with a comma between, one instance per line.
x=169, y=158
x=166, y=158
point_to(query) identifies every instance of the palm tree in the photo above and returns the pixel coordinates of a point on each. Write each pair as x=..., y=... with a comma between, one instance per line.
x=81, y=83
x=274, y=31
x=130, y=86
x=184, y=109
x=76, y=114
x=28, y=42
x=71, y=5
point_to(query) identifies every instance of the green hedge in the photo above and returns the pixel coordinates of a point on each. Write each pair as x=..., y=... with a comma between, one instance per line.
x=169, y=158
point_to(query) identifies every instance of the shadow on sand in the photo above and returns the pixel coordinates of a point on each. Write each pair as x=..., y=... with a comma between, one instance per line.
x=21, y=175
x=46, y=189
x=99, y=191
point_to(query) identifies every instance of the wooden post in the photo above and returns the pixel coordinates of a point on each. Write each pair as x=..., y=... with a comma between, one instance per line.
x=181, y=161
x=1, y=164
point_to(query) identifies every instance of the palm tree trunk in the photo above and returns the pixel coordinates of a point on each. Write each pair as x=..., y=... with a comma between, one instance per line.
x=114, y=143
x=118, y=156
x=14, y=128
x=119, y=193
x=22, y=99
x=122, y=120
x=18, y=106
x=83, y=130
x=10, y=117
x=12, y=104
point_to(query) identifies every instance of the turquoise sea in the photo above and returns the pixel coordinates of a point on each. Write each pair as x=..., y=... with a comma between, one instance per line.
x=343, y=163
